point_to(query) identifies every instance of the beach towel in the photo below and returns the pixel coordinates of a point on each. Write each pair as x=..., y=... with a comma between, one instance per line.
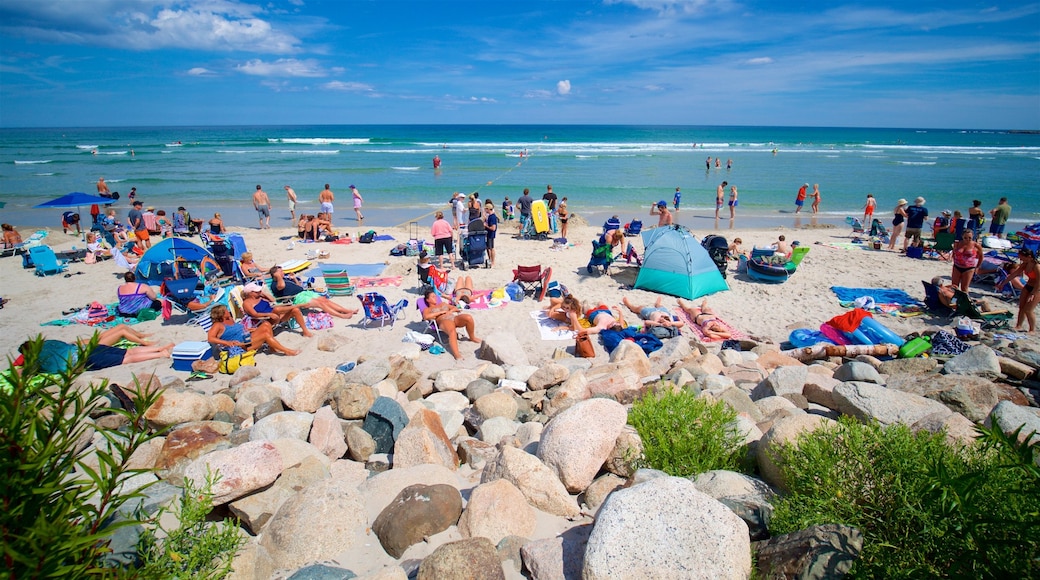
x=699, y=334
x=880, y=295
x=383, y=238
x=83, y=317
x=482, y=300
x=550, y=329
x=343, y=240
x=376, y=281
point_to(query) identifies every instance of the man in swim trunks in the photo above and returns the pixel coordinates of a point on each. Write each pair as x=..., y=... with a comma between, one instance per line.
x=720, y=193
x=660, y=209
x=290, y=193
x=799, y=199
x=262, y=204
x=326, y=198
x=283, y=287
x=677, y=199
x=704, y=317
x=655, y=315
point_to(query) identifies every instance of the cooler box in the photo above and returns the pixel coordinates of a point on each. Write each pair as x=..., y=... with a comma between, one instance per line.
x=186, y=353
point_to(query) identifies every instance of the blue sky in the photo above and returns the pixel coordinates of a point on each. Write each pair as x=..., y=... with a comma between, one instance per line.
x=945, y=64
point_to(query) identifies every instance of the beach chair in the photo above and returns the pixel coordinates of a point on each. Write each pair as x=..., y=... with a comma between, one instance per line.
x=855, y=224
x=797, y=254
x=181, y=292
x=430, y=324
x=611, y=224
x=932, y=301
x=633, y=227
x=990, y=320
x=944, y=245
x=337, y=282
x=45, y=261
x=437, y=279
x=601, y=259
x=377, y=309
x=879, y=231
x=533, y=279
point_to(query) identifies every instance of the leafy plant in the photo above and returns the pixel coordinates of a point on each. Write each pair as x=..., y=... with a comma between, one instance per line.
x=925, y=508
x=57, y=512
x=685, y=435
x=196, y=548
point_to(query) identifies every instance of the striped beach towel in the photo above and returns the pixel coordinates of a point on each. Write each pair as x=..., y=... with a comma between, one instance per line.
x=699, y=334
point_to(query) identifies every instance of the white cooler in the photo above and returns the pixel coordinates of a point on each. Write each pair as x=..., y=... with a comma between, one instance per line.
x=186, y=353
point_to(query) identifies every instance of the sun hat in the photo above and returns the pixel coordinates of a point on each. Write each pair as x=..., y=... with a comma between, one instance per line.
x=253, y=287
x=901, y=202
x=919, y=201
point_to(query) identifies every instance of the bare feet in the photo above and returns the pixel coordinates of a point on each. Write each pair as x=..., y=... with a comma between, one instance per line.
x=306, y=333
x=476, y=340
x=290, y=352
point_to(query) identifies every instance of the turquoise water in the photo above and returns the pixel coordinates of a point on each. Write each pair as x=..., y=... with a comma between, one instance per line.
x=601, y=169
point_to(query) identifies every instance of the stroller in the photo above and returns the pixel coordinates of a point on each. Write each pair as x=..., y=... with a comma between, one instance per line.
x=474, y=246
x=602, y=257
x=718, y=249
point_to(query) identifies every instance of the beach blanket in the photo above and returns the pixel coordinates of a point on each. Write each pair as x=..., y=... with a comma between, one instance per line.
x=550, y=329
x=342, y=241
x=384, y=238
x=482, y=301
x=880, y=295
x=376, y=281
x=82, y=317
x=352, y=269
x=699, y=334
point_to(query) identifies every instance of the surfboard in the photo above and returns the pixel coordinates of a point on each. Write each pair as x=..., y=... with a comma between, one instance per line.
x=293, y=266
x=540, y=216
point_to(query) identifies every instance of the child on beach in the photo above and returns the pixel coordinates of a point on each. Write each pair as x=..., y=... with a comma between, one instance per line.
x=732, y=202
x=677, y=199
x=868, y=209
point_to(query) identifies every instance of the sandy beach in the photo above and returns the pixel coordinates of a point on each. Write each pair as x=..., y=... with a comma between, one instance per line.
x=764, y=311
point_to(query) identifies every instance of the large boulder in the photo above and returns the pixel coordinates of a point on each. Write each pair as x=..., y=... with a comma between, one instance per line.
x=381, y=489
x=353, y=400
x=241, y=470
x=190, y=441
x=455, y=380
x=384, y=422
x=577, y=441
x=495, y=510
x=784, y=430
x=503, y=348
x=256, y=509
x=979, y=360
x=825, y=551
x=1010, y=417
x=369, y=372
x=867, y=401
x=327, y=433
x=176, y=407
x=308, y=390
x=538, y=483
x=559, y=558
x=784, y=380
x=548, y=375
x=497, y=404
x=284, y=425
x=319, y=522
x=469, y=559
x=665, y=528
x=417, y=512
x=424, y=441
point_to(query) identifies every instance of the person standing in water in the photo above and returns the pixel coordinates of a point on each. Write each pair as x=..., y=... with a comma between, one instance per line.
x=732, y=202
x=720, y=195
x=357, y=202
x=799, y=200
x=436, y=161
x=325, y=198
x=677, y=199
x=816, y=198
x=290, y=194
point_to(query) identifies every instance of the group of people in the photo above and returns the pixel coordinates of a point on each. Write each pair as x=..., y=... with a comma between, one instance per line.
x=803, y=194
x=468, y=215
x=557, y=211
x=568, y=309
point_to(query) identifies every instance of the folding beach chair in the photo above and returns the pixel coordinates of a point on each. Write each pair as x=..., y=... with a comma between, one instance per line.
x=932, y=301
x=857, y=226
x=944, y=245
x=377, y=309
x=337, y=282
x=430, y=324
x=601, y=259
x=991, y=319
x=45, y=261
x=181, y=292
x=533, y=279
x=633, y=227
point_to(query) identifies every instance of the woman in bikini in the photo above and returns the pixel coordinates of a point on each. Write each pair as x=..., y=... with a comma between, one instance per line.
x=226, y=334
x=967, y=255
x=1029, y=297
x=463, y=292
x=216, y=225
x=563, y=216
x=11, y=236
x=448, y=318
x=261, y=308
x=704, y=317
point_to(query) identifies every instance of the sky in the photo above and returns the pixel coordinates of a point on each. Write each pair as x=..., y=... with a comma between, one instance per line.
x=950, y=64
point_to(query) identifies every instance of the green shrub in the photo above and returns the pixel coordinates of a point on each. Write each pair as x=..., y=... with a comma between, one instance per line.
x=684, y=435
x=926, y=508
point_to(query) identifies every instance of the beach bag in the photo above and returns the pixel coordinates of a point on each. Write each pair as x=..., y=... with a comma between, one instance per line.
x=399, y=250
x=583, y=345
x=367, y=237
x=97, y=313
x=515, y=292
x=90, y=258
x=229, y=363
x=318, y=320
x=556, y=290
x=664, y=332
x=27, y=261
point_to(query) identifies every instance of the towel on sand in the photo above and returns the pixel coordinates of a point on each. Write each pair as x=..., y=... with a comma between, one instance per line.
x=880, y=295
x=698, y=333
x=375, y=281
x=551, y=329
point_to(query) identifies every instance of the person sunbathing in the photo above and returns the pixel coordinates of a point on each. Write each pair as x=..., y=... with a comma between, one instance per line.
x=448, y=318
x=704, y=317
x=569, y=309
x=216, y=225
x=226, y=334
x=11, y=236
x=56, y=356
x=303, y=298
x=655, y=315
x=463, y=292
x=303, y=227
x=261, y=308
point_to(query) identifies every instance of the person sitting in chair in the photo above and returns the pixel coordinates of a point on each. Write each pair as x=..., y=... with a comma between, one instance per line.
x=655, y=315
x=249, y=268
x=448, y=318
x=135, y=297
x=261, y=308
x=226, y=334
x=704, y=317
x=285, y=288
x=11, y=236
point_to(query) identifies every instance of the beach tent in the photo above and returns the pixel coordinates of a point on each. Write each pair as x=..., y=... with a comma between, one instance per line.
x=675, y=263
x=76, y=199
x=158, y=263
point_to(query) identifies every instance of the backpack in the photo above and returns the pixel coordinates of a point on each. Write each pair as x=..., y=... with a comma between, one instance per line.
x=27, y=261
x=367, y=237
x=556, y=290
x=399, y=250
x=664, y=332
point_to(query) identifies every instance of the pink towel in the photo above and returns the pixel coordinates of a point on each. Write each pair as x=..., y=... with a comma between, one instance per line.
x=375, y=281
x=697, y=332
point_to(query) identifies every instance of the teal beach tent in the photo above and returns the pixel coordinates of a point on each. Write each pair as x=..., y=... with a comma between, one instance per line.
x=159, y=262
x=674, y=263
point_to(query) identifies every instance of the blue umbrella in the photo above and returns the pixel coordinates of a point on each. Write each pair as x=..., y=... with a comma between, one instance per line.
x=75, y=199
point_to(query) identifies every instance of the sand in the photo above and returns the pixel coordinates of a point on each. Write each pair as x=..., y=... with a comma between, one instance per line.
x=764, y=311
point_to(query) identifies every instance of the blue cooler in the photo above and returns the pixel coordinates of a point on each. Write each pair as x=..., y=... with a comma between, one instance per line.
x=186, y=353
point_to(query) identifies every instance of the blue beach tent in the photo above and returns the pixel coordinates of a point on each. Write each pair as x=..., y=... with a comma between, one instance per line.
x=676, y=264
x=159, y=262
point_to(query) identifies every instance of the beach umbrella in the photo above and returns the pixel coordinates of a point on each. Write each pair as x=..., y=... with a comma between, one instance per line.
x=75, y=199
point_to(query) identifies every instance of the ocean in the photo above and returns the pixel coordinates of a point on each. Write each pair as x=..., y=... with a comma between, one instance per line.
x=602, y=170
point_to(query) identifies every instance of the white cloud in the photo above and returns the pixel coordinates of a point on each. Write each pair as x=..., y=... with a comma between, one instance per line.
x=538, y=94
x=348, y=87
x=563, y=87
x=668, y=7
x=759, y=60
x=200, y=72
x=283, y=67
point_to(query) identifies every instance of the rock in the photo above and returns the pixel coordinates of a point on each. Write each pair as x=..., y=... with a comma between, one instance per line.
x=959, y=430
x=973, y=400
x=453, y=380
x=665, y=528
x=287, y=424
x=559, y=558
x=1015, y=369
x=251, y=562
x=242, y=470
x=509, y=550
x=628, y=448
x=353, y=400
x=243, y=374
x=319, y=522
x=530, y=432
x=538, y=484
x=403, y=372
x=746, y=496
x=448, y=401
x=327, y=433
x=388, y=572
x=577, y=441
x=573, y=390
x=380, y=490
x=176, y=407
x=424, y=441
x=520, y=372
x=476, y=453
x=782, y=381
x=908, y=366
x=825, y=551
x=492, y=373
x=548, y=375
x=267, y=408
x=979, y=360
x=477, y=388
x=495, y=510
x=497, y=404
x=785, y=430
x=493, y=430
x=600, y=489
x=322, y=572
x=360, y=444
x=503, y=348
x=331, y=342
x=819, y=389
x=771, y=359
x=384, y=422
x=308, y=390
x=867, y=401
x=368, y=372
x=614, y=378
x=256, y=509
x=1009, y=417
x=417, y=512
x=296, y=451
x=469, y=559
x=190, y=441
x=858, y=371
x=770, y=405
x=740, y=402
